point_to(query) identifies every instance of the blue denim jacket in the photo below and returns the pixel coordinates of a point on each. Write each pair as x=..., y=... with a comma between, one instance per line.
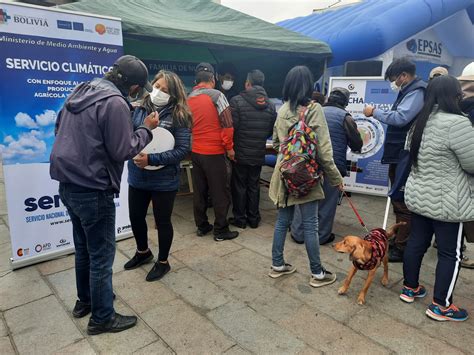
x=166, y=178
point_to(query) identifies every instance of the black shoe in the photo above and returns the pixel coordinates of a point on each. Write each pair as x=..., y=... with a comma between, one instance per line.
x=254, y=224
x=395, y=255
x=138, y=259
x=225, y=236
x=242, y=225
x=158, y=271
x=201, y=232
x=81, y=309
x=329, y=240
x=116, y=324
x=296, y=240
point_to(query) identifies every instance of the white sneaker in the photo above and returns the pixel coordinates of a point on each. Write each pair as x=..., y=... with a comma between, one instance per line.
x=278, y=271
x=326, y=278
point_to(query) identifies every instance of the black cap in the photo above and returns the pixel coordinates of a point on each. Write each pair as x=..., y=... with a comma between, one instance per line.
x=343, y=92
x=204, y=67
x=133, y=71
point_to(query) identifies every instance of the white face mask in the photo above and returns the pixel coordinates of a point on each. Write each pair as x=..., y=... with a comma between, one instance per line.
x=159, y=98
x=227, y=84
x=394, y=86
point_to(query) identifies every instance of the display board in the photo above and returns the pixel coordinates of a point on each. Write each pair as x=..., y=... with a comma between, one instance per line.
x=366, y=174
x=44, y=54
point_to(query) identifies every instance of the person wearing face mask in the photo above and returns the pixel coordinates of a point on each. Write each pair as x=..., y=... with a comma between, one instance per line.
x=158, y=186
x=411, y=92
x=212, y=148
x=94, y=137
x=226, y=78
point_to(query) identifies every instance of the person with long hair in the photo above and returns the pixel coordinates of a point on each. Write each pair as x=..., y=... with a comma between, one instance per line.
x=168, y=98
x=439, y=193
x=297, y=91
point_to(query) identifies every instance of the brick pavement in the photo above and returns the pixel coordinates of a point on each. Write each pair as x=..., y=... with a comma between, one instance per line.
x=219, y=299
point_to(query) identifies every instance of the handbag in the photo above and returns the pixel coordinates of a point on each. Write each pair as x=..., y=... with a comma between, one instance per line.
x=402, y=171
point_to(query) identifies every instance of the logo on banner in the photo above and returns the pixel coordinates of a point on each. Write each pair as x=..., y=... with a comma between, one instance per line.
x=23, y=252
x=102, y=29
x=68, y=25
x=425, y=47
x=62, y=243
x=40, y=247
x=124, y=229
x=4, y=16
x=31, y=21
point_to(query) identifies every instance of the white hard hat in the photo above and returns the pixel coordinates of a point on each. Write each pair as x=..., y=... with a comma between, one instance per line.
x=468, y=70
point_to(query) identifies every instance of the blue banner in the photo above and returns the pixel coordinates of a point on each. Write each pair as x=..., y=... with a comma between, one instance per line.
x=44, y=54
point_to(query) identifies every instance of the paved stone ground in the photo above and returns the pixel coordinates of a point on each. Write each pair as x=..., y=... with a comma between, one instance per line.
x=219, y=299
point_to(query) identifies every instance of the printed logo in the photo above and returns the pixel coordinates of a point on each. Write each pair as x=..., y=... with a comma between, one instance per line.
x=33, y=21
x=411, y=46
x=425, y=47
x=100, y=29
x=78, y=26
x=41, y=247
x=4, y=16
x=64, y=25
x=62, y=243
x=124, y=229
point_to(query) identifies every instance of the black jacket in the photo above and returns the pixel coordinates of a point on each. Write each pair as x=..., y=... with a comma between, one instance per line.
x=253, y=117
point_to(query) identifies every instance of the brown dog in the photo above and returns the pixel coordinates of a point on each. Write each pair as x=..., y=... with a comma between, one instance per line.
x=367, y=254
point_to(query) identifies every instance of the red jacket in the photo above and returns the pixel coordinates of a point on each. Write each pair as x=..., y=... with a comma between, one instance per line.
x=212, y=121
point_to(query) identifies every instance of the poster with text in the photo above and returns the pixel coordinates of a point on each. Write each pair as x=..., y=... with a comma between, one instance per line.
x=44, y=54
x=366, y=174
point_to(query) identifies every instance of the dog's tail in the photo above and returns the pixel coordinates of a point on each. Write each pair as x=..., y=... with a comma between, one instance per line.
x=392, y=230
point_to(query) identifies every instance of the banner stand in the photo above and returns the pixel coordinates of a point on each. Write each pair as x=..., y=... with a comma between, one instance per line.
x=44, y=54
x=366, y=173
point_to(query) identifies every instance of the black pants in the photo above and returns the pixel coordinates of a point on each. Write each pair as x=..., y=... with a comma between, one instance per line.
x=402, y=214
x=163, y=201
x=449, y=239
x=211, y=177
x=246, y=193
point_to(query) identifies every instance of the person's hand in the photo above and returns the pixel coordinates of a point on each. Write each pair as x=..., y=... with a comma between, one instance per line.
x=152, y=120
x=369, y=110
x=340, y=187
x=231, y=154
x=141, y=160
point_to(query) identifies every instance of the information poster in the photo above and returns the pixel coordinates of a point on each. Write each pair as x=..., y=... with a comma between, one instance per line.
x=44, y=54
x=366, y=174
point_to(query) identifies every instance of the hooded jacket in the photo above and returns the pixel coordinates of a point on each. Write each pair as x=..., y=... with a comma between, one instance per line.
x=253, y=117
x=94, y=137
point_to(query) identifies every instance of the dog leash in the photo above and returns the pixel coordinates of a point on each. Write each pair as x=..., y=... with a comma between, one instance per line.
x=356, y=213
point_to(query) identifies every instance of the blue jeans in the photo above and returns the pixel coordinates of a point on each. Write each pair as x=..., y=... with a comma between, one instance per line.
x=326, y=214
x=309, y=212
x=92, y=214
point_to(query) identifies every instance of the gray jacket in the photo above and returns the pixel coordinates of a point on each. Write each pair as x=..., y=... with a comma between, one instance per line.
x=441, y=186
x=94, y=137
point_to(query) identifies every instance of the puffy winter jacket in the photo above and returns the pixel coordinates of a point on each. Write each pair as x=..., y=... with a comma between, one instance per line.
x=441, y=186
x=253, y=117
x=166, y=178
